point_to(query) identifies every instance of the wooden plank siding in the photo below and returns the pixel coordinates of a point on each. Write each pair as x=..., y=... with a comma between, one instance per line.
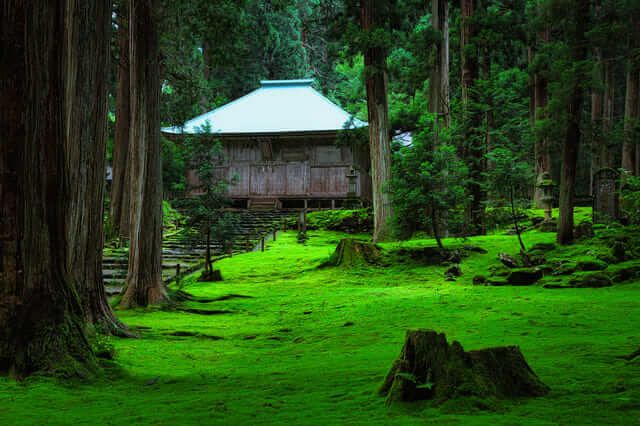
x=290, y=168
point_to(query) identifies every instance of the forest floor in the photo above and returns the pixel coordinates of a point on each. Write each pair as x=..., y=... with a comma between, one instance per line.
x=290, y=343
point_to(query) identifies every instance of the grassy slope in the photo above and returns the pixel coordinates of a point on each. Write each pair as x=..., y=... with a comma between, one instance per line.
x=305, y=367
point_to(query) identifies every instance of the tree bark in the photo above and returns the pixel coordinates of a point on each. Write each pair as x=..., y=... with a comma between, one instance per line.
x=439, y=80
x=439, y=90
x=376, y=79
x=596, y=122
x=474, y=139
x=87, y=32
x=578, y=44
x=602, y=105
x=144, y=278
x=542, y=155
x=41, y=320
x=435, y=228
x=120, y=186
x=631, y=117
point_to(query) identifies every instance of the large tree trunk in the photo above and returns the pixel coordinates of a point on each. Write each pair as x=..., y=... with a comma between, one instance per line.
x=120, y=187
x=375, y=60
x=578, y=45
x=144, y=278
x=88, y=31
x=439, y=80
x=474, y=139
x=439, y=92
x=41, y=321
x=542, y=152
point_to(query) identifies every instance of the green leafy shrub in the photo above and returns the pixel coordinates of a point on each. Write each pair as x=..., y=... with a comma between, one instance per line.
x=631, y=198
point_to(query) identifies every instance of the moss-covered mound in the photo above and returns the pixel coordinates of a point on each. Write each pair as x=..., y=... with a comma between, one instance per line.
x=350, y=221
x=353, y=253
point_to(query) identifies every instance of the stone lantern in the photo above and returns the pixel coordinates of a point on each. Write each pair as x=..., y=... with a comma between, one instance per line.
x=545, y=183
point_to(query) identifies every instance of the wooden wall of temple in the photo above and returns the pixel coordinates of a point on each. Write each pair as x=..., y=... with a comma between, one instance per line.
x=295, y=168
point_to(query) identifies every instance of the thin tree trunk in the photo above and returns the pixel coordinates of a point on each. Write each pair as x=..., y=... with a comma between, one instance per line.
x=435, y=229
x=531, y=89
x=375, y=60
x=602, y=109
x=144, y=278
x=87, y=33
x=631, y=116
x=489, y=120
x=516, y=223
x=597, y=142
x=608, y=112
x=120, y=186
x=474, y=140
x=41, y=321
x=572, y=138
x=208, y=267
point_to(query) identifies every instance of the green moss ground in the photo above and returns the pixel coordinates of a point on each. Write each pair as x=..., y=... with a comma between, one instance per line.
x=286, y=355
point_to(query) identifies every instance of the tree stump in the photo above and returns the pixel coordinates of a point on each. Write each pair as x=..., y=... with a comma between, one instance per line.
x=213, y=276
x=429, y=368
x=351, y=253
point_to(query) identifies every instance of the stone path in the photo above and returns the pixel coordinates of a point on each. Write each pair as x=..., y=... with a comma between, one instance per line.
x=188, y=250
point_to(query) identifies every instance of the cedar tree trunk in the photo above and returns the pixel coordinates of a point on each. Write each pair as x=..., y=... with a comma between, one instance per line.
x=578, y=45
x=474, y=139
x=88, y=32
x=541, y=148
x=439, y=80
x=375, y=60
x=120, y=186
x=41, y=320
x=144, y=278
x=631, y=116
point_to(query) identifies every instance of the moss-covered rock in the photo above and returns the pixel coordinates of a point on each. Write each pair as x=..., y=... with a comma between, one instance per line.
x=583, y=230
x=499, y=270
x=429, y=256
x=525, y=276
x=591, y=265
x=453, y=272
x=619, y=251
x=594, y=280
x=509, y=261
x=626, y=273
x=544, y=247
x=479, y=280
x=564, y=268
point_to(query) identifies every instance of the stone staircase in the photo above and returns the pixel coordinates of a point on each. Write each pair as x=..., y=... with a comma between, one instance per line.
x=187, y=250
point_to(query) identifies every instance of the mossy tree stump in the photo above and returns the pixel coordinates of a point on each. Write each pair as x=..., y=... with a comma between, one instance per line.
x=351, y=253
x=215, y=275
x=429, y=368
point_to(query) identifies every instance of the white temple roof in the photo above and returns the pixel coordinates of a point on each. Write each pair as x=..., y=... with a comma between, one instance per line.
x=278, y=106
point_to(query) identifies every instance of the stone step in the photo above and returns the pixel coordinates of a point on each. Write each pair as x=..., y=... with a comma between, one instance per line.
x=188, y=249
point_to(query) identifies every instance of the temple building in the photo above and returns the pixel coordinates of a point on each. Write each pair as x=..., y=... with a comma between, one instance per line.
x=280, y=144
